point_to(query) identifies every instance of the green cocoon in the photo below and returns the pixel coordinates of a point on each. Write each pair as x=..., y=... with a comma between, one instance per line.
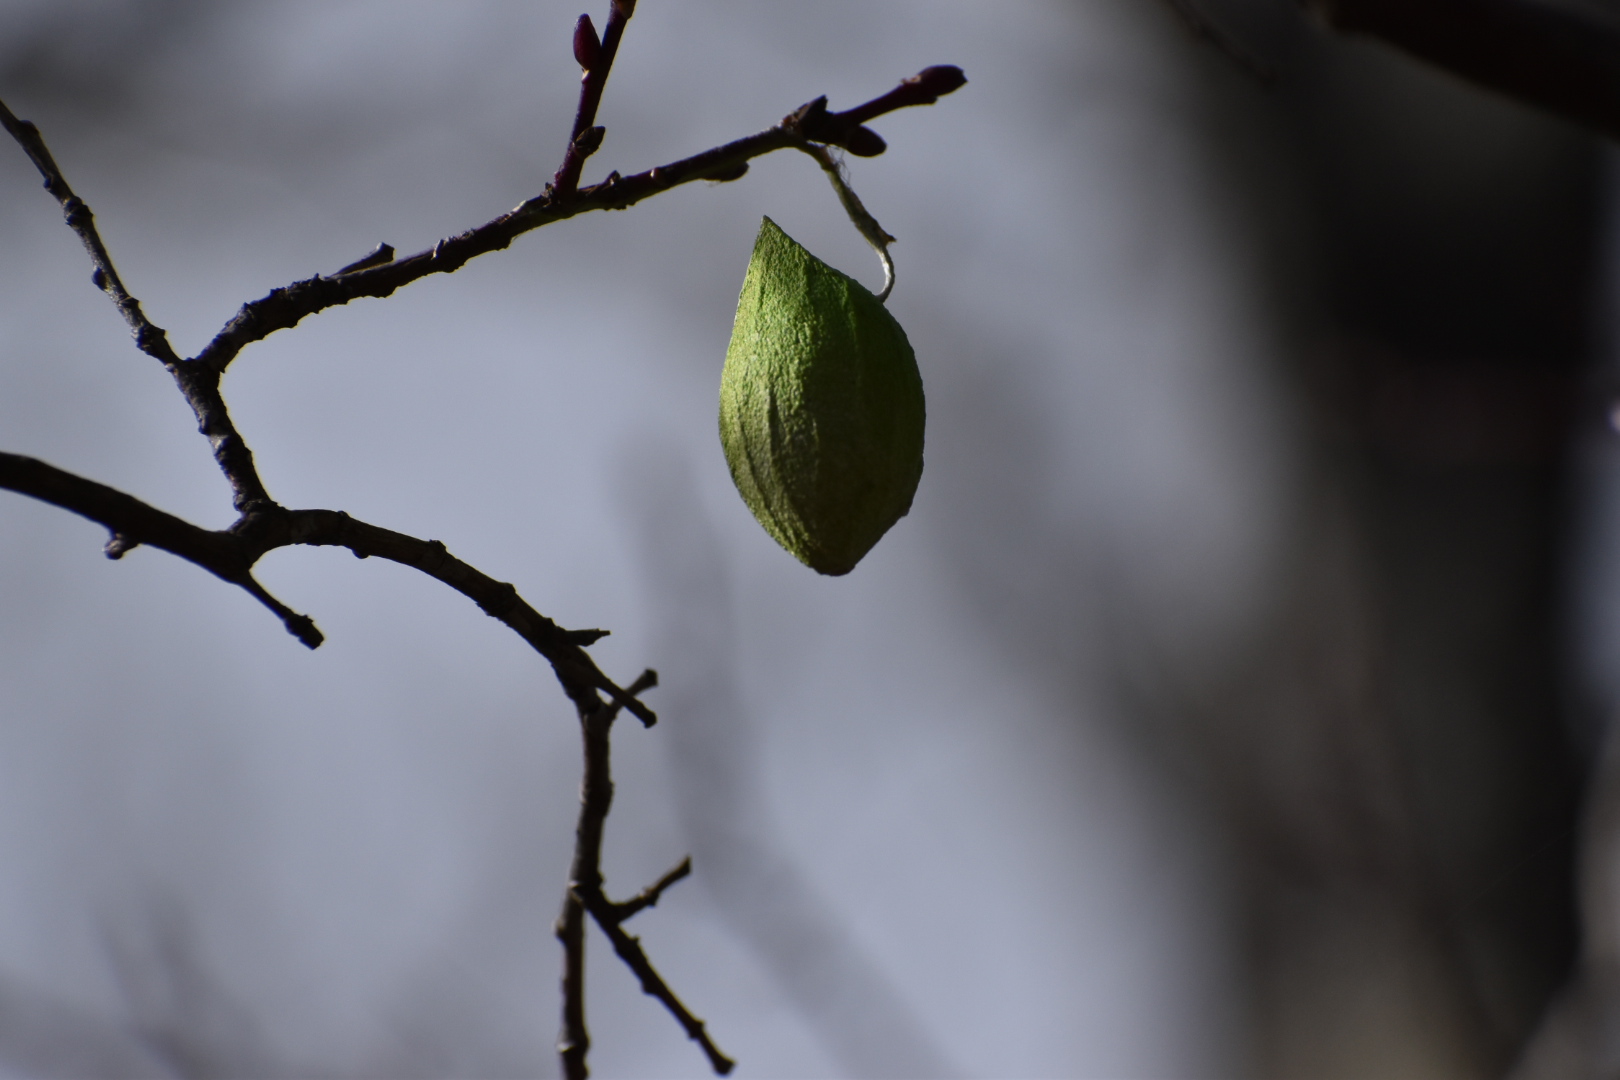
x=821, y=407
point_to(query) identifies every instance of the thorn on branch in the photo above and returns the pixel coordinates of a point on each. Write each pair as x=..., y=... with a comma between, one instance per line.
x=587, y=638
x=381, y=255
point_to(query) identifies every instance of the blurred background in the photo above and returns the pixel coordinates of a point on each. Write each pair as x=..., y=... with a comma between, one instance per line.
x=1225, y=707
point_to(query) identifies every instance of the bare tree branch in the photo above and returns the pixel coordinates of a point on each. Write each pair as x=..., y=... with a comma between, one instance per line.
x=653, y=984
x=230, y=554
x=1558, y=55
x=133, y=522
x=648, y=897
x=285, y=307
x=151, y=339
x=585, y=894
x=199, y=385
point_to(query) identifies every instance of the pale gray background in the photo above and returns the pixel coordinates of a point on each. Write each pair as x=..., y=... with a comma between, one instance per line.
x=926, y=837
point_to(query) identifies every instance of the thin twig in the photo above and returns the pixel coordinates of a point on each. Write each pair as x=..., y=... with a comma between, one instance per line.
x=596, y=59
x=621, y=910
x=132, y=522
x=151, y=339
x=199, y=386
x=630, y=951
x=585, y=894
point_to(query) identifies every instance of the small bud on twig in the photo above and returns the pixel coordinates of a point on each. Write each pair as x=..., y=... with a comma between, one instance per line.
x=589, y=141
x=587, y=46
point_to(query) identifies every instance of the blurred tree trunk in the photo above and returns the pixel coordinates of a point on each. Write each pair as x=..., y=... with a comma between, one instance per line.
x=1396, y=763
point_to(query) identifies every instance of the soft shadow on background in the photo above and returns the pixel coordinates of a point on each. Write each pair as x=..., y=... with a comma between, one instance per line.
x=1217, y=711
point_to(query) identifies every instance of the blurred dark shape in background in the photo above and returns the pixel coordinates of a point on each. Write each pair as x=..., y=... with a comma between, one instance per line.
x=1400, y=763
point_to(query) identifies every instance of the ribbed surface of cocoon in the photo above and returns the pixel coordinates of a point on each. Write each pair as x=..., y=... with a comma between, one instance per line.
x=821, y=407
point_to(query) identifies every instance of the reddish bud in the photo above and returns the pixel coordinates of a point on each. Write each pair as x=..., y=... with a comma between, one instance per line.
x=587, y=46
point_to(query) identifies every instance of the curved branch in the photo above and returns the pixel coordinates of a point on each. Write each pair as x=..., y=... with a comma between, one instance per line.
x=230, y=554
x=133, y=522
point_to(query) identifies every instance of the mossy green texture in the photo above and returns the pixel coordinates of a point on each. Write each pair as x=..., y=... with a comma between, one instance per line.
x=821, y=407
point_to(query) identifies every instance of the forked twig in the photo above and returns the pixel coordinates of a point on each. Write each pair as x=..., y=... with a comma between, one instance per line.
x=585, y=895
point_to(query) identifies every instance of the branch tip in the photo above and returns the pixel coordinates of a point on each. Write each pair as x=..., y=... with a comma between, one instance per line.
x=304, y=629
x=938, y=80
